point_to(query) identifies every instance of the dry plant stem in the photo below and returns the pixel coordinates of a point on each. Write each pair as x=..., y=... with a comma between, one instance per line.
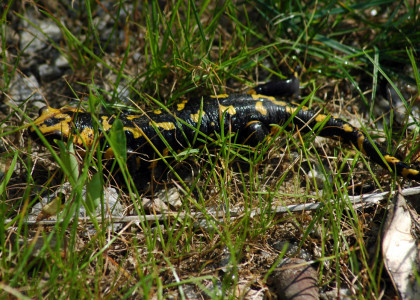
x=358, y=201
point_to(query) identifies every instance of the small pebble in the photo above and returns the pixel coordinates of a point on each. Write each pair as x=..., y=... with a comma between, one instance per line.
x=24, y=88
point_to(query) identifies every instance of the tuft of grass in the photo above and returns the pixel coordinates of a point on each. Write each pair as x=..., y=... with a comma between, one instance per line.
x=153, y=56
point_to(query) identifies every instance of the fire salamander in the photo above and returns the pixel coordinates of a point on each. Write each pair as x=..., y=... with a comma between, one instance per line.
x=250, y=115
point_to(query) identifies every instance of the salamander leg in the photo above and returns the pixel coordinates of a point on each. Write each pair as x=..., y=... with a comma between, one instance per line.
x=254, y=133
x=280, y=88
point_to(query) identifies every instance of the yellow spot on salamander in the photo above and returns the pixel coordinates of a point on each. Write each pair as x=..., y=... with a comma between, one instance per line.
x=163, y=125
x=137, y=132
x=109, y=153
x=181, y=106
x=260, y=108
x=105, y=123
x=348, y=128
x=360, y=140
x=390, y=159
x=278, y=102
x=85, y=137
x=320, y=118
x=259, y=97
x=196, y=117
x=405, y=172
x=230, y=109
x=157, y=112
x=132, y=117
x=220, y=96
x=291, y=110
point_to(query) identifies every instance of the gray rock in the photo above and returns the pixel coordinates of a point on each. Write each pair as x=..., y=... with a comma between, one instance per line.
x=25, y=88
x=48, y=72
x=293, y=249
x=61, y=62
x=36, y=32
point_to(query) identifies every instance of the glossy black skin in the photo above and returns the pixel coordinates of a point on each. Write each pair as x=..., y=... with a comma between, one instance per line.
x=289, y=88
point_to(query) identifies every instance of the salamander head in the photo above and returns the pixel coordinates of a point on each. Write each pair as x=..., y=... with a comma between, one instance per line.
x=54, y=123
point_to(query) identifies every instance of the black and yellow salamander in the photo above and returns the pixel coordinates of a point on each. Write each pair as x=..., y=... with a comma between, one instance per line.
x=250, y=115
